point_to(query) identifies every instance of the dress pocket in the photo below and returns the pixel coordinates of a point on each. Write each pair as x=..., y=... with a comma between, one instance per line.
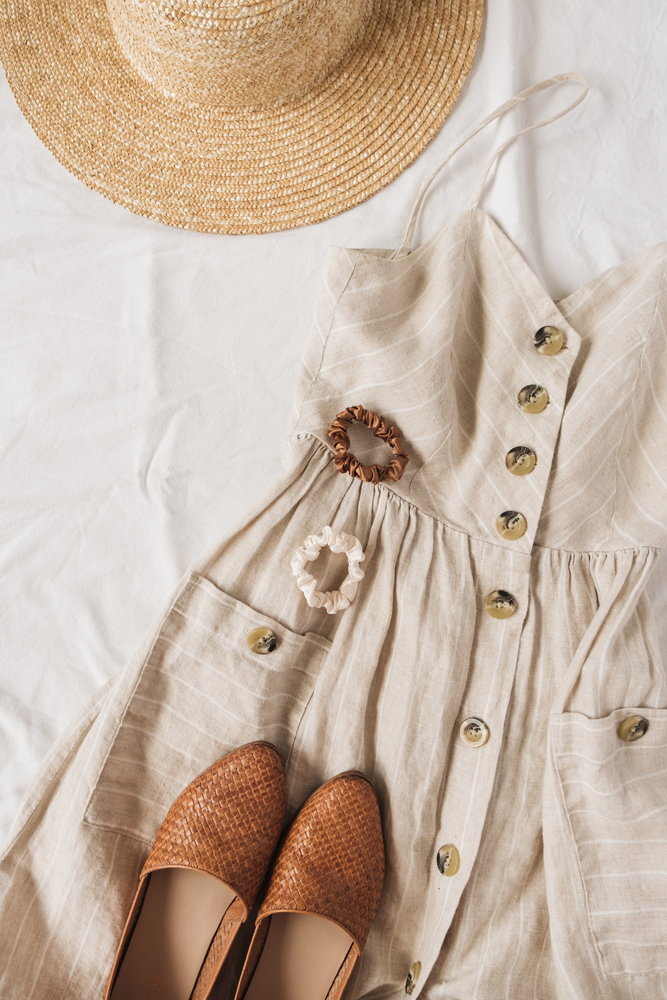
x=201, y=692
x=615, y=797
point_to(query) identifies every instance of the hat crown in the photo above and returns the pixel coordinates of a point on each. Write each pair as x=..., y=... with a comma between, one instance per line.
x=237, y=53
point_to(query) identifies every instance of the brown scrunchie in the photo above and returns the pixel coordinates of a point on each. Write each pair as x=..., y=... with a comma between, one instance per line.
x=346, y=462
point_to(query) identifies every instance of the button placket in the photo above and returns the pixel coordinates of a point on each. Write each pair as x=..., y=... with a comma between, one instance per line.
x=476, y=741
x=520, y=460
x=473, y=760
x=540, y=348
x=537, y=401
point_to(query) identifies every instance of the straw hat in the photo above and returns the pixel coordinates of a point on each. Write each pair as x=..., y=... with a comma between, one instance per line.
x=237, y=116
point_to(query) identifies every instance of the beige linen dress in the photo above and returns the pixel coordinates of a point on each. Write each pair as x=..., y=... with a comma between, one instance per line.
x=559, y=824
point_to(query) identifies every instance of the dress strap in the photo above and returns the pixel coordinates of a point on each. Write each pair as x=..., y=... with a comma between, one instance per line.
x=554, y=81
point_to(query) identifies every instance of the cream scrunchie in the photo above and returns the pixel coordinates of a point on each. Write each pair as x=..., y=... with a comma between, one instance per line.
x=338, y=541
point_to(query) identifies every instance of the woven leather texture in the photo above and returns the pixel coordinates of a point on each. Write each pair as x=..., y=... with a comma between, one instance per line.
x=332, y=860
x=227, y=821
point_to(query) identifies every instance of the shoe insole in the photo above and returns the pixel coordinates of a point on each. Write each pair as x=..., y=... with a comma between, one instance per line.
x=181, y=912
x=302, y=954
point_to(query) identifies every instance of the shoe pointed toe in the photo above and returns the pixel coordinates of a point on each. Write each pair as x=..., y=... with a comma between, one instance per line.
x=201, y=877
x=227, y=821
x=322, y=895
x=332, y=861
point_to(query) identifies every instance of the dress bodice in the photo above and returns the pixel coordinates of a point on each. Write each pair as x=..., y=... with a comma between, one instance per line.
x=441, y=342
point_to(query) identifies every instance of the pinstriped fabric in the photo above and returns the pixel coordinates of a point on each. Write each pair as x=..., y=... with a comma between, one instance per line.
x=611, y=792
x=447, y=334
x=549, y=902
x=612, y=470
x=434, y=320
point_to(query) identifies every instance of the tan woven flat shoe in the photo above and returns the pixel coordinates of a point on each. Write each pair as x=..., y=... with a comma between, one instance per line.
x=200, y=879
x=322, y=896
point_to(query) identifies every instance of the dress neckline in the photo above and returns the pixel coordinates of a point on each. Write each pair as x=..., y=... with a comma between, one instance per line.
x=389, y=256
x=522, y=266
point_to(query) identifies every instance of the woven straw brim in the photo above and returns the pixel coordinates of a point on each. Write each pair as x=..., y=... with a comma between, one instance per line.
x=239, y=170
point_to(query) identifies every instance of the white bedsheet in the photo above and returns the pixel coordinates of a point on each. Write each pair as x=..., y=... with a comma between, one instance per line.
x=147, y=373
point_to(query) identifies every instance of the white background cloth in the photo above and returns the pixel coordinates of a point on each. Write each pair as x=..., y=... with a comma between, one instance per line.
x=147, y=373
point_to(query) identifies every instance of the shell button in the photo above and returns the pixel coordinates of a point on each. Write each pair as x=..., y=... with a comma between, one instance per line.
x=500, y=604
x=521, y=461
x=533, y=398
x=511, y=524
x=413, y=976
x=633, y=728
x=262, y=640
x=448, y=860
x=548, y=340
x=474, y=732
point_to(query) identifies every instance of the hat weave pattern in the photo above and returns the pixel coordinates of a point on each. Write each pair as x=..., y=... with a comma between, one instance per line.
x=200, y=115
